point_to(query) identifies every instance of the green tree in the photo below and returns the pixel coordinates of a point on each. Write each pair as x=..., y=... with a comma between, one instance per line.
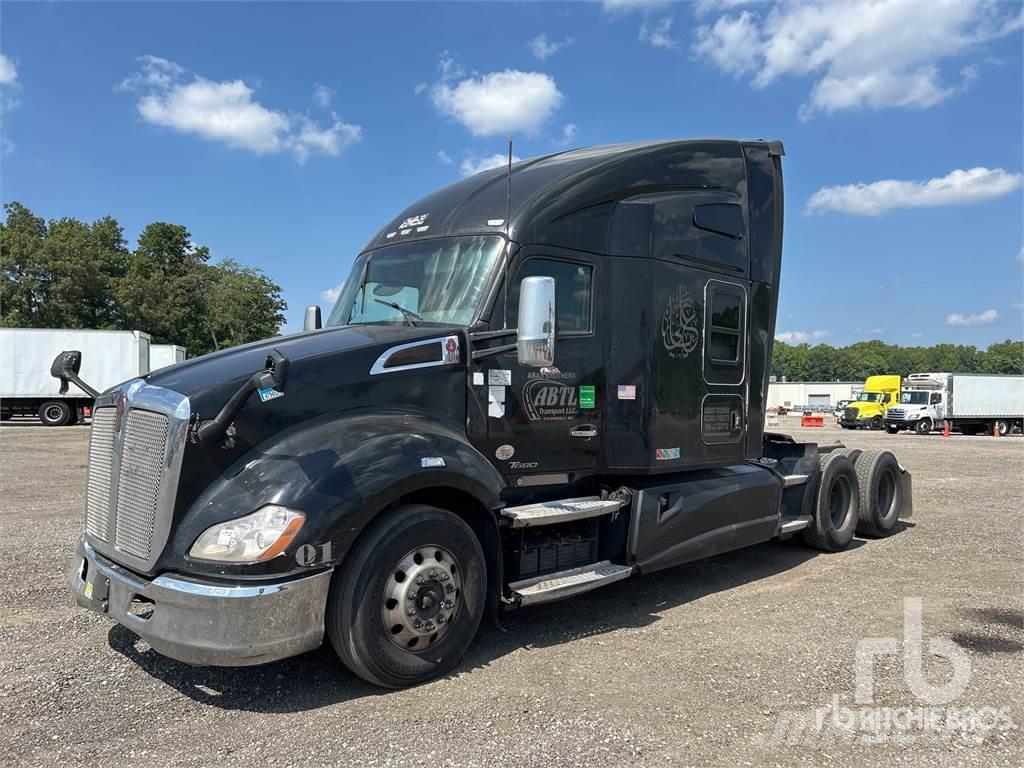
x=1003, y=357
x=22, y=273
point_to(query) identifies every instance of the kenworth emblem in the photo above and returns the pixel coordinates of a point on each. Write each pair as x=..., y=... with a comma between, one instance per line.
x=679, y=331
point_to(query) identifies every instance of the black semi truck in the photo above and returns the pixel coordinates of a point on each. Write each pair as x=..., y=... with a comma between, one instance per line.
x=536, y=381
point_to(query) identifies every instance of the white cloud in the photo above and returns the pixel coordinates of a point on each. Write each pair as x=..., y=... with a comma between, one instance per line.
x=473, y=165
x=862, y=53
x=323, y=95
x=542, y=48
x=498, y=102
x=8, y=72
x=331, y=294
x=228, y=112
x=983, y=318
x=569, y=133
x=1019, y=307
x=801, y=337
x=959, y=187
x=443, y=157
x=658, y=35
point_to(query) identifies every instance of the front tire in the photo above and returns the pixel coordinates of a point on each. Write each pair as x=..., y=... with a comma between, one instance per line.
x=55, y=413
x=892, y=429
x=923, y=427
x=408, y=601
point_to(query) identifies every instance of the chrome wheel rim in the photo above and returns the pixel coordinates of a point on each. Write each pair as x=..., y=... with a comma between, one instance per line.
x=422, y=597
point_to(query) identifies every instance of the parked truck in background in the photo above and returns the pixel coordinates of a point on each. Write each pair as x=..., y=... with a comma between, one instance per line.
x=162, y=355
x=868, y=410
x=28, y=389
x=970, y=403
x=518, y=398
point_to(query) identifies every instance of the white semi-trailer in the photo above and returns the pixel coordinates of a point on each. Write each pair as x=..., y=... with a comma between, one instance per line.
x=27, y=387
x=162, y=355
x=971, y=403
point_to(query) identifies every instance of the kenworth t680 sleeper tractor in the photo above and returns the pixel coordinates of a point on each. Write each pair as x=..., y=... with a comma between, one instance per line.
x=535, y=382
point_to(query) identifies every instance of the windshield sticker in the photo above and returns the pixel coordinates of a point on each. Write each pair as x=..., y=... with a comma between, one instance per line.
x=504, y=452
x=666, y=454
x=679, y=332
x=269, y=393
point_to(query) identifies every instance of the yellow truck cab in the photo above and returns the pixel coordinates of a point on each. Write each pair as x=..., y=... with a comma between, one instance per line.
x=868, y=410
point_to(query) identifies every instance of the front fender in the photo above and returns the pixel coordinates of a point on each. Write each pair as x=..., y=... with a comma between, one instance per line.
x=340, y=471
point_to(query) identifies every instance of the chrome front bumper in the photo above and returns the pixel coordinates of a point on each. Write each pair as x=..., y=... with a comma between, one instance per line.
x=202, y=623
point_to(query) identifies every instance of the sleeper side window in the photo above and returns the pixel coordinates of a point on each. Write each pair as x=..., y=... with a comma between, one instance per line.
x=574, y=283
x=724, y=333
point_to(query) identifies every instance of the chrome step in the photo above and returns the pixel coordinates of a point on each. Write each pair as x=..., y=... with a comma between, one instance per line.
x=791, y=480
x=576, y=581
x=793, y=524
x=550, y=512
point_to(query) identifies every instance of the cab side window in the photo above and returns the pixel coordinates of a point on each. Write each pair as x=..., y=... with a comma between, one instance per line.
x=574, y=284
x=724, y=333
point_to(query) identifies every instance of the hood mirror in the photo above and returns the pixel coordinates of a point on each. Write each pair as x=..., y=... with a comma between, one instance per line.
x=312, y=321
x=535, y=342
x=65, y=367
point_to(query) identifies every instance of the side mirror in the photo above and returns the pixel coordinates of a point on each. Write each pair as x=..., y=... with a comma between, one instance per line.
x=535, y=342
x=312, y=321
x=65, y=367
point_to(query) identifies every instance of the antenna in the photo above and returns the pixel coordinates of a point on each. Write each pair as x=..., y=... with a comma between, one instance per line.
x=508, y=241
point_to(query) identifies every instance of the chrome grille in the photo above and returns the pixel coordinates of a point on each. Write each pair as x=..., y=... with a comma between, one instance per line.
x=895, y=413
x=101, y=462
x=138, y=483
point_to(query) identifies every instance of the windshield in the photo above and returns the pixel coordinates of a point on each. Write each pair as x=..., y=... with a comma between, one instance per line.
x=425, y=281
x=870, y=397
x=914, y=398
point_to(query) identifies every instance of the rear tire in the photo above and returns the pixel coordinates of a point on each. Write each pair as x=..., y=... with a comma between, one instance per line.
x=923, y=427
x=55, y=413
x=881, y=493
x=877, y=423
x=834, y=504
x=1003, y=426
x=387, y=616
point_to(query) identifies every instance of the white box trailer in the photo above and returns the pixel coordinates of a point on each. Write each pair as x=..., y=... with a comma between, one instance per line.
x=28, y=388
x=970, y=402
x=162, y=355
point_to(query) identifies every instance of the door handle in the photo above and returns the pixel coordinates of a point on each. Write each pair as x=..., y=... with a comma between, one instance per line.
x=587, y=431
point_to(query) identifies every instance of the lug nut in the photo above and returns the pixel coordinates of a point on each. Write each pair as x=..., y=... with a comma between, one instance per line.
x=411, y=611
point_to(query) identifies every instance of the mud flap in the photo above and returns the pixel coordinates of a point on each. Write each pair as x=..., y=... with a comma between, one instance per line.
x=907, y=488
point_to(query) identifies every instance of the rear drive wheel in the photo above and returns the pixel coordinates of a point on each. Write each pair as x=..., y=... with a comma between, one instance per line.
x=923, y=427
x=409, y=600
x=877, y=422
x=55, y=413
x=834, y=504
x=881, y=493
x=1002, y=425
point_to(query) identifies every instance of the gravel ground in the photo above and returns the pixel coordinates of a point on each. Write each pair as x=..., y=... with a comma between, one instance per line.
x=707, y=664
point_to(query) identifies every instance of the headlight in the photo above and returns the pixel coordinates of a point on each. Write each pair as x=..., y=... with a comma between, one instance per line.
x=251, y=539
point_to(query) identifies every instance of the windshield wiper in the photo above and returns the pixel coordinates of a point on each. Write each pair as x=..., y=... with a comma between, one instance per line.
x=407, y=314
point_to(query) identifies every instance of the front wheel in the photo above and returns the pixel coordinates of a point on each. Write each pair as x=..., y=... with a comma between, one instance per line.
x=923, y=427
x=409, y=600
x=892, y=429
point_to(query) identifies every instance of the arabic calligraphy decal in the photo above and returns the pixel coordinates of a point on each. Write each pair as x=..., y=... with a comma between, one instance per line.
x=679, y=331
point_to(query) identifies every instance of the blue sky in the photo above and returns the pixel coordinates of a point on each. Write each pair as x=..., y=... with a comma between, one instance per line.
x=285, y=135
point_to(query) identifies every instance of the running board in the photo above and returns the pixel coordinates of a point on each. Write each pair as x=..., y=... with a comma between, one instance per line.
x=576, y=581
x=793, y=524
x=563, y=511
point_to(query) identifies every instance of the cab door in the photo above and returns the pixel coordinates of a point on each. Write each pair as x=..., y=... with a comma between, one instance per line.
x=548, y=421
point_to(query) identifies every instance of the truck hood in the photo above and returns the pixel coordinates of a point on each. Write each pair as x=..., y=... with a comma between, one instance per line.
x=201, y=377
